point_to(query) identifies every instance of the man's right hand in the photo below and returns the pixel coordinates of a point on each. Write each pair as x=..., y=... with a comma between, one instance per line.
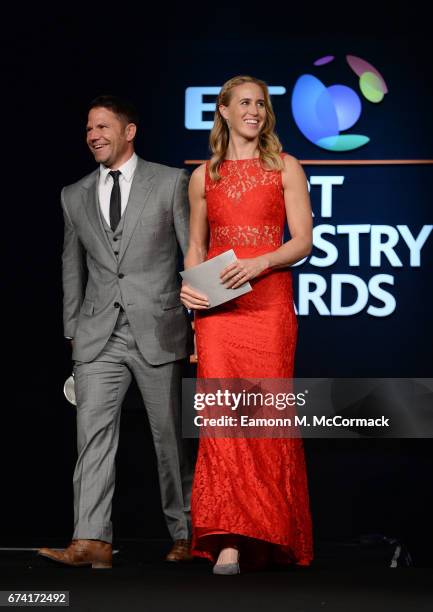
x=192, y=299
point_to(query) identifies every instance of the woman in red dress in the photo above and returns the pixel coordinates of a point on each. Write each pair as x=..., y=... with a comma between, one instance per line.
x=250, y=496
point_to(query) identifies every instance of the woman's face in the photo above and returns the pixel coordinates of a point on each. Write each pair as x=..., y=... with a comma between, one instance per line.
x=246, y=111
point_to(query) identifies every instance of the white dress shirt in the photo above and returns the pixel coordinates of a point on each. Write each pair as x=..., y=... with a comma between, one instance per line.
x=106, y=185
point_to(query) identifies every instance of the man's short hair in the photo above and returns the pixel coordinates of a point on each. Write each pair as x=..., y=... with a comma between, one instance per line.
x=118, y=106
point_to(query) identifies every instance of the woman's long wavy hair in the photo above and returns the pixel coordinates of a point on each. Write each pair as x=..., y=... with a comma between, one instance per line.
x=269, y=144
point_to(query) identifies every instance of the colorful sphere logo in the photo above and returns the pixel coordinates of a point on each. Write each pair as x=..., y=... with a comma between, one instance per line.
x=321, y=112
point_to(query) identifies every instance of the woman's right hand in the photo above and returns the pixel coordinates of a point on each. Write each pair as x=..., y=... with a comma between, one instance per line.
x=192, y=299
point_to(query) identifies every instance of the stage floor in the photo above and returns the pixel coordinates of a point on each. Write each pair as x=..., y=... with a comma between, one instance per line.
x=343, y=577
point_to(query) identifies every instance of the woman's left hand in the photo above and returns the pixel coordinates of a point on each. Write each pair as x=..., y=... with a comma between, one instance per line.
x=243, y=270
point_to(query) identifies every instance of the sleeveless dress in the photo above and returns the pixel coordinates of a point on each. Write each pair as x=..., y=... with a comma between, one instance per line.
x=256, y=488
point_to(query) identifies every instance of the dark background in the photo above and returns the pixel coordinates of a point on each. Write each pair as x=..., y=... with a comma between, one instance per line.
x=52, y=65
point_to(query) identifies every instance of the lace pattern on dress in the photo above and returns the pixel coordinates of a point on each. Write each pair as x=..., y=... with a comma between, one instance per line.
x=236, y=181
x=246, y=235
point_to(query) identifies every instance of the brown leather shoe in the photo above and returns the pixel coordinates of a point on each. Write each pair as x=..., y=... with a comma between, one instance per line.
x=181, y=551
x=79, y=553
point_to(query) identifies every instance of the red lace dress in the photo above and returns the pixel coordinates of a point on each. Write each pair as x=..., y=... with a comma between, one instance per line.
x=250, y=487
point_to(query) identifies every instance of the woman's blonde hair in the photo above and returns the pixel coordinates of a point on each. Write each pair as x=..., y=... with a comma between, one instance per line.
x=269, y=144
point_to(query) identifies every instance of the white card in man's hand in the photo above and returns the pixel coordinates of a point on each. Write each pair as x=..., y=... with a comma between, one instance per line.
x=205, y=278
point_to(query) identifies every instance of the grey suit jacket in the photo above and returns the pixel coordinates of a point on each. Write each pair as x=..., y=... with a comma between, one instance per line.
x=156, y=223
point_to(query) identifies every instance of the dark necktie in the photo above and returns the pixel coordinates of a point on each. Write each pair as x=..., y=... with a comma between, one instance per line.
x=115, y=210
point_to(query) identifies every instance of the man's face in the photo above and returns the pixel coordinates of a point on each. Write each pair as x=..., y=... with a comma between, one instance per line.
x=109, y=137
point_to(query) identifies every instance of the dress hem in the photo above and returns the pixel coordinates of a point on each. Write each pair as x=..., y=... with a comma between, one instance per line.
x=286, y=554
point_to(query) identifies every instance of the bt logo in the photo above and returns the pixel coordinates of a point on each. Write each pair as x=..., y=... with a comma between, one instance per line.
x=321, y=113
x=195, y=105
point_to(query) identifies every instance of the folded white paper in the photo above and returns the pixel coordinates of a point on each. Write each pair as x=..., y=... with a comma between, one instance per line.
x=205, y=278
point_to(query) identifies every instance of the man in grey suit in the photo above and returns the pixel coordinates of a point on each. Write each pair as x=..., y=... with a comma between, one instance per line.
x=122, y=312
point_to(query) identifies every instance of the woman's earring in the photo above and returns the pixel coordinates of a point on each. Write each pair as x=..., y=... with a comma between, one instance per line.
x=228, y=124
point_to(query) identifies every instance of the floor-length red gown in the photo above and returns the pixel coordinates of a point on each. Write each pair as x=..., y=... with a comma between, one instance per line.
x=250, y=487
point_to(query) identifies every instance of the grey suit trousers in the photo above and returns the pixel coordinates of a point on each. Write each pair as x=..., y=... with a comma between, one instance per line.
x=100, y=388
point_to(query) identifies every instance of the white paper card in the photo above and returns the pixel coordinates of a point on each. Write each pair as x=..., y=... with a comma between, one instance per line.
x=205, y=278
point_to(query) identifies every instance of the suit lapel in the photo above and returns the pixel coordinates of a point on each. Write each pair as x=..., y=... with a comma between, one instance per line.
x=142, y=185
x=91, y=205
